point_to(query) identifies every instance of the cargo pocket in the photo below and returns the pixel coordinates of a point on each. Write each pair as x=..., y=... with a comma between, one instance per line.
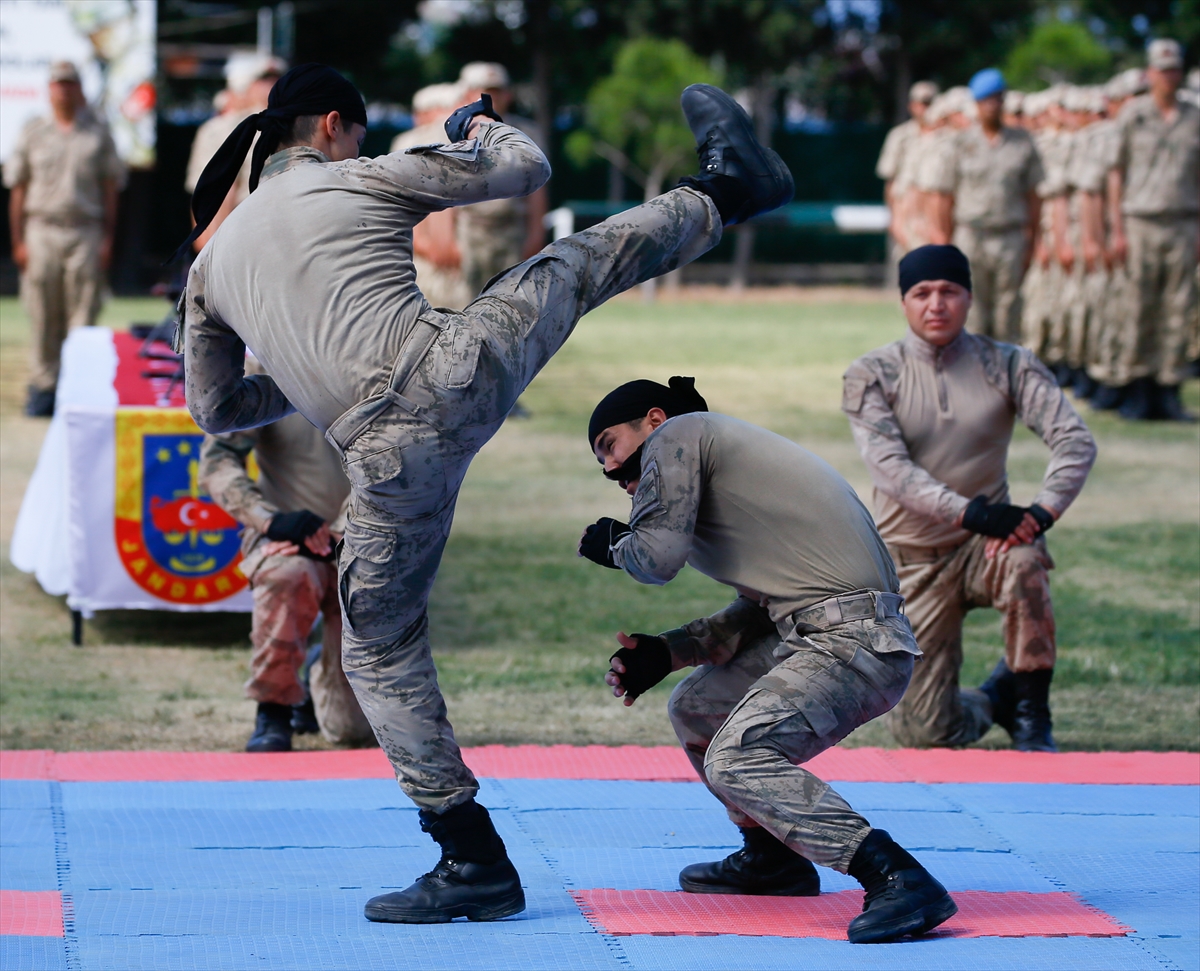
x=398, y=459
x=455, y=355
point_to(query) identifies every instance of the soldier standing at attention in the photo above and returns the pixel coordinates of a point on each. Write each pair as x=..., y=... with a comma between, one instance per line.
x=896, y=160
x=499, y=233
x=64, y=176
x=291, y=516
x=314, y=274
x=932, y=415
x=761, y=514
x=987, y=191
x=1156, y=233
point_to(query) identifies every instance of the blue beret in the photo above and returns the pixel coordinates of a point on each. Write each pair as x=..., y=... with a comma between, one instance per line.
x=986, y=83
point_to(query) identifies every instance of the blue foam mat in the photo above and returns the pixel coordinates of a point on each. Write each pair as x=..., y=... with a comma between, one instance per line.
x=937, y=954
x=352, y=794
x=1179, y=954
x=28, y=867
x=1038, y=832
x=1101, y=800
x=32, y=953
x=1163, y=913
x=1084, y=869
x=26, y=827
x=537, y=794
x=24, y=794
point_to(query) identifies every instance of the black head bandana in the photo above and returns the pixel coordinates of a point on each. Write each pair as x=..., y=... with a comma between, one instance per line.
x=307, y=89
x=934, y=263
x=633, y=400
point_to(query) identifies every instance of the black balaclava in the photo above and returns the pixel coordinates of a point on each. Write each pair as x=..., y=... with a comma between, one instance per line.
x=934, y=263
x=307, y=89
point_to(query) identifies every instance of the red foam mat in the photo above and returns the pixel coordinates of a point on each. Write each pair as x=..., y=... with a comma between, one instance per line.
x=31, y=913
x=626, y=762
x=980, y=914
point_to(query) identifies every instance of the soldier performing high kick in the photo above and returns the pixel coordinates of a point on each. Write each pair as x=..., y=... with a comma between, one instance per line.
x=814, y=647
x=314, y=274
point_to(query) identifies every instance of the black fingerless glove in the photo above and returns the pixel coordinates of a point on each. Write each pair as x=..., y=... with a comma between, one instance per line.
x=459, y=122
x=987, y=519
x=296, y=527
x=599, y=539
x=1044, y=517
x=645, y=665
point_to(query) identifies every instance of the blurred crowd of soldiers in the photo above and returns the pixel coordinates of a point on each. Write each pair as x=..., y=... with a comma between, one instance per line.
x=1079, y=208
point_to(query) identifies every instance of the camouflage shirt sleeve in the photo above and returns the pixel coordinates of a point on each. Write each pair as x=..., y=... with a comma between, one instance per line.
x=665, y=504
x=223, y=476
x=717, y=639
x=881, y=442
x=220, y=395
x=1045, y=410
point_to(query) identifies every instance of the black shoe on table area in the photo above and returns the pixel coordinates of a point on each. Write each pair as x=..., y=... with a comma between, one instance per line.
x=304, y=718
x=741, y=175
x=39, y=403
x=902, y=897
x=272, y=729
x=763, y=867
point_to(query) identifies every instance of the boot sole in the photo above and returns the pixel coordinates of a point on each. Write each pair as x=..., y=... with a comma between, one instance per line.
x=796, y=890
x=920, y=921
x=512, y=904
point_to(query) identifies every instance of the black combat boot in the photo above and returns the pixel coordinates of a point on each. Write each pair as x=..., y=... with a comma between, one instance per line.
x=304, y=718
x=1001, y=689
x=1168, y=406
x=1139, y=400
x=1083, y=385
x=763, y=866
x=473, y=879
x=1062, y=374
x=39, y=402
x=739, y=174
x=272, y=729
x=902, y=896
x=1031, y=721
x=1107, y=397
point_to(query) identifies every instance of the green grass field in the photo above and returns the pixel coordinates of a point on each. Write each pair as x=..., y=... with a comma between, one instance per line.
x=523, y=628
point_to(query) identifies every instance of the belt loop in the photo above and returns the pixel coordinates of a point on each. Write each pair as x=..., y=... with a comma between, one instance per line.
x=833, y=612
x=880, y=607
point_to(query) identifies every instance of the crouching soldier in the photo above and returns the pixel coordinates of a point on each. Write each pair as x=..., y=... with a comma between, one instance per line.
x=292, y=516
x=933, y=417
x=814, y=646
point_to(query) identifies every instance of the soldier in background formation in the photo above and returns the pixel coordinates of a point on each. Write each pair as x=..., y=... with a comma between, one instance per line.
x=1105, y=287
x=64, y=176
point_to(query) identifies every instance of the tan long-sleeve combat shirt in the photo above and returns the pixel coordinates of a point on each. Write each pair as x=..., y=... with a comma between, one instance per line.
x=753, y=510
x=990, y=180
x=314, y=273
x=1160, y=160
x=934, y=425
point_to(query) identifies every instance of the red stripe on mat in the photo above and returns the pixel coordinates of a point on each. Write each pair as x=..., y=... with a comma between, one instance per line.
x=980, y=914
x=627, y=762
x=31, y=913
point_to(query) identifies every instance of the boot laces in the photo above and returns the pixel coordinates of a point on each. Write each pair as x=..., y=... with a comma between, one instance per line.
x=708, y=153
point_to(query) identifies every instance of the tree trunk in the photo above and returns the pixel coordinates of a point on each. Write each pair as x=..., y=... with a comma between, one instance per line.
x=743, y=247
x=653, y=187
x=538, y=21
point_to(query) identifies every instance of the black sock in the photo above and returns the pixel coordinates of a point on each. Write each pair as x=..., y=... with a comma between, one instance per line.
x=729, y=194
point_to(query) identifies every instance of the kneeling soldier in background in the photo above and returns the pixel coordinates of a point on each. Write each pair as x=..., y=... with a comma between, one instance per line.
x=933, y=417
x=292, y=516
x=770, y=519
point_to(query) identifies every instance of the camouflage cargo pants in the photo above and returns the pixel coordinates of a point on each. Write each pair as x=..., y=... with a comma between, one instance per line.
x=61, y=289
x=940, y=587
x=289, y=592
x=407, y=450
x=1161, y=316
x=997, y=268
x=749, y=725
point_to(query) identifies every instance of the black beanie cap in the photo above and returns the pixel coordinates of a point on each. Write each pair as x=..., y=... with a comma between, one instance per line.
x=934, y=263
x=633, y=400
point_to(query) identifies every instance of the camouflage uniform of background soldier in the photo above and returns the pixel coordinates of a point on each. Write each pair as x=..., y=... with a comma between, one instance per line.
x=407, y=394
x=64, y=176
x=1158, y=158
x=933, y=424
x=298, y=472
